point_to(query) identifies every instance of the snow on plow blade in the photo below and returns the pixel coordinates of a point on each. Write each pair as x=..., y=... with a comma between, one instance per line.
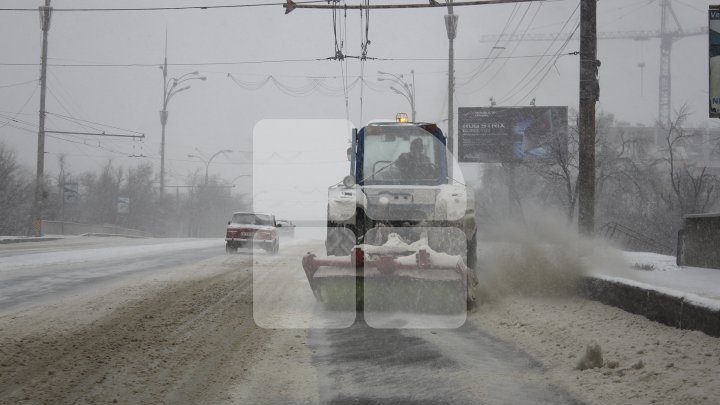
x=424, y=282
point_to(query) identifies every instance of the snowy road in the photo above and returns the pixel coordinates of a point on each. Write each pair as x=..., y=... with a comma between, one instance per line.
x=151, y=326
x=39, y=271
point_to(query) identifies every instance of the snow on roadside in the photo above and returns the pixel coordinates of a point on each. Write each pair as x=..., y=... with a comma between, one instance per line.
x=644, y=362
x=104, y=253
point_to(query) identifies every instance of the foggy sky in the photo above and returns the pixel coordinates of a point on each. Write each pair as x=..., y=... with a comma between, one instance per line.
x=218, y=114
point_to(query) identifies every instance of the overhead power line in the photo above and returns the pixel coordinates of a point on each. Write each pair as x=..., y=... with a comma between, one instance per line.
x=380, y=59
x=163, y=8
x=94, y=134
x=17, y=84
x=292, y=5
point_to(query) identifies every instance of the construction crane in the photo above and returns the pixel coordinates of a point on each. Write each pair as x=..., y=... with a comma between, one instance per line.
x=667, y=37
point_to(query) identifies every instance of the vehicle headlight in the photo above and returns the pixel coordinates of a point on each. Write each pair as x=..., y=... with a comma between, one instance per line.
x=349, y=182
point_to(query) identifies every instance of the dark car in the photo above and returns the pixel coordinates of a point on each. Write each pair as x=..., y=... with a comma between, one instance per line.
x=249, y=229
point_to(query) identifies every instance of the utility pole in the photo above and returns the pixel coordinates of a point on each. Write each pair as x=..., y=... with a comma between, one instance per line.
x=451, y=21
x=37, y=213
x=589, y=94
x=163, y=122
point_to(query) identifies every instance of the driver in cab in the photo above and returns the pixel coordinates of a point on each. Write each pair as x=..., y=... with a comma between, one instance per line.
x=415, y=164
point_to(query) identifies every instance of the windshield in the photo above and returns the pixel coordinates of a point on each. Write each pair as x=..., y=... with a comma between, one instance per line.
x=252, y=219
x=400, y=154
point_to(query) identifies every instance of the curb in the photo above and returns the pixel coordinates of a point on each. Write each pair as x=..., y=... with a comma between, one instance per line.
x=655, y=305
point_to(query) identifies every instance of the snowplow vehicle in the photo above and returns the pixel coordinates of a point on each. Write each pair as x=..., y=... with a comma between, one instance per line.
x=401, y=231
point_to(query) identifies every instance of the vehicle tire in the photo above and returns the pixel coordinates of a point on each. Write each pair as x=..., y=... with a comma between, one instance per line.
x=472, y=252
x=276, y=247
x=340, y=241
x=229, y=249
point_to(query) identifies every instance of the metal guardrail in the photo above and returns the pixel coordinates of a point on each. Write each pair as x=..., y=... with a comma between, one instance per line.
x=632, y=239
x=75, y=228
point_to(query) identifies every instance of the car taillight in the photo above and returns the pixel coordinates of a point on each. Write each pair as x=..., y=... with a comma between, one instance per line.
x=232, y=233
x=264, y=235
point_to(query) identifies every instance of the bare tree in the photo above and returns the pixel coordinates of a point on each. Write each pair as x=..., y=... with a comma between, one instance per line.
x=693, y=188
x=16, y=190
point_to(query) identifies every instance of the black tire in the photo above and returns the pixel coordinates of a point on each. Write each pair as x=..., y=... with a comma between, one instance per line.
x=340, y=241
x=230, y=249
x=472, y=252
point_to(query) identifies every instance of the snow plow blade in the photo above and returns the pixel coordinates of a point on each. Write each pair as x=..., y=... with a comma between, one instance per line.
x=424, y=282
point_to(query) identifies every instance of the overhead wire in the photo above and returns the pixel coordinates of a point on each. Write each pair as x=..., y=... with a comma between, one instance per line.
x=512, y=90
x=364, y=42
x=66, y=95
x=95, y=123
x=22, y=108
x=487, y=62
x=5, y=86
x=512, y=52
x=340, y=55
x=109, y=144
x=164, y=8
x=550, y=65
x=383, y=59
x=691, y=6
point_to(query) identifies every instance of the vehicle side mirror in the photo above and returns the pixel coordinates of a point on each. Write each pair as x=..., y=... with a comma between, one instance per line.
x=229, y=222
x=278, y=225
x=349, y=154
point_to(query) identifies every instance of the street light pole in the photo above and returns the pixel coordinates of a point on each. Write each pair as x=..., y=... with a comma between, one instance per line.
x=408, y=90
x=169, y=90
x=207, y=162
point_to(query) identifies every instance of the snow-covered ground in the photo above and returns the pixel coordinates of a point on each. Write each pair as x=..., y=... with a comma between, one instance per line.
x=660, y=273
x=181, y=310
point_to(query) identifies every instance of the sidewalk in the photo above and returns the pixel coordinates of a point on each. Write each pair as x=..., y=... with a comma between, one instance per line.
x=684, y=297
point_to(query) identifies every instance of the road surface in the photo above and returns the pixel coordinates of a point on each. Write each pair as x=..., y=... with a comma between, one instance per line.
x=175, y=322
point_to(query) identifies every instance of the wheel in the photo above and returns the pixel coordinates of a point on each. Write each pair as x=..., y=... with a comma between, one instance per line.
x=472, y=251
x=230, y=249
x=274, y=249
x=340, y=241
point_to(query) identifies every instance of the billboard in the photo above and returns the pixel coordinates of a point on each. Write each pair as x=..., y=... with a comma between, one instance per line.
x=123, y=205
x=70, y=193
x=714, y=59
x=508, y=134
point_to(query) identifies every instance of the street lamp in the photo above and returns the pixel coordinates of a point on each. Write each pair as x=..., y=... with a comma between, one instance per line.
x=207, y=162
x=406, y=90
x=235, y=179
x=170, y=89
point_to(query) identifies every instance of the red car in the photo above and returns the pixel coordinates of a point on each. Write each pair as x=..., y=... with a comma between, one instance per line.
x=248, y=229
